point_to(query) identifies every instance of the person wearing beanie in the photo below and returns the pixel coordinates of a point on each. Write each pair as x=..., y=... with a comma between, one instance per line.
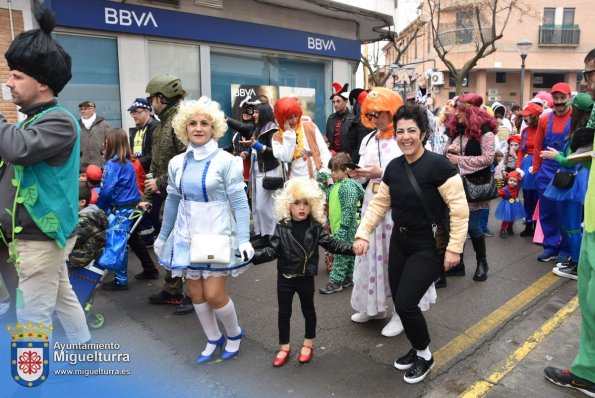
x=93, y=131
x=339, y=122
x=552, y=131
x=41, y=154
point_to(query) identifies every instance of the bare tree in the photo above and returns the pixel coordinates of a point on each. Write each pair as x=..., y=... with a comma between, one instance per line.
x=379, y=73
x=482, y=24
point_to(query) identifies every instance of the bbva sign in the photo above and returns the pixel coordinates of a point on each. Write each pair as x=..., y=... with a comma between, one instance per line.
x=316, y=43
x=128, y=18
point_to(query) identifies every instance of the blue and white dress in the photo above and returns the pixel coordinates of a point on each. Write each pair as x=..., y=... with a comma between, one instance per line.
x=212, y=183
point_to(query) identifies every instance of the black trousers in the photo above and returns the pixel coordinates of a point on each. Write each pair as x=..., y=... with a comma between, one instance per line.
x=286, y=288
x=139, y=248
x=413, y=265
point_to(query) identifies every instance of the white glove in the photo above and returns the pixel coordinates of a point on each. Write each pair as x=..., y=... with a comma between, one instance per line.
x=158, y=246
x=246, y=251
x=531, y=169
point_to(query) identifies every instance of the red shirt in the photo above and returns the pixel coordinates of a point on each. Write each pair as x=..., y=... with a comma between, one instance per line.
x=559, y=124
x=529, y=144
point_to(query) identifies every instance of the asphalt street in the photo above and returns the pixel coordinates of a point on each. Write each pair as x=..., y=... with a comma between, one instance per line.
x=351, y=360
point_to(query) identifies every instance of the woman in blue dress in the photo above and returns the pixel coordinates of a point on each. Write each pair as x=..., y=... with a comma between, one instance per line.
x=205, y=186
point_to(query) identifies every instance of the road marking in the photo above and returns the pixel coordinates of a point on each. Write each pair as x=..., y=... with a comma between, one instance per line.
x=470, y=336
x=481, y=387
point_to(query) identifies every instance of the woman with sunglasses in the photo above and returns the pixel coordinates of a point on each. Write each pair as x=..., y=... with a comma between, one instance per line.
x=370, y=275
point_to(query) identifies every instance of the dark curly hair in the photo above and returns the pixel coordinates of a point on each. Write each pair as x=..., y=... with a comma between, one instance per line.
x=416, y=113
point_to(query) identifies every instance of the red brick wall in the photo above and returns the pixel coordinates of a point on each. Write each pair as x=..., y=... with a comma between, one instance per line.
x=7, y=108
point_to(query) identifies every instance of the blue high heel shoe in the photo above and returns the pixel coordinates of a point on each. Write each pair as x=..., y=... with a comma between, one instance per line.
x=208, y=358
x=229, y=355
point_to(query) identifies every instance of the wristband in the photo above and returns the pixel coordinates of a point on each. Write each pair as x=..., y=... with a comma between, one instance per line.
x=258, y=146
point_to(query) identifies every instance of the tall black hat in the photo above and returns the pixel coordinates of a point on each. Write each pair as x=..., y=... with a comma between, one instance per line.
x=37, y=54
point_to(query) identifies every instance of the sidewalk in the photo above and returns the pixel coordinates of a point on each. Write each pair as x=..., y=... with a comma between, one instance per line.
x=559, y=350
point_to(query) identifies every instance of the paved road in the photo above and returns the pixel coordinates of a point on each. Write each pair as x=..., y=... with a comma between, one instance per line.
x=351, y=360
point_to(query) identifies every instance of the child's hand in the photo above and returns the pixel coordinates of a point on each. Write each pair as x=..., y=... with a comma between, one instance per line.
x=360, y=247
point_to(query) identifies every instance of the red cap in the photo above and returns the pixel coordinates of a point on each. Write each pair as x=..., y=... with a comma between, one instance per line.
x=514, y=138
x=532, y=109
x=93, y=173
x=562, y=87
x=515, y=174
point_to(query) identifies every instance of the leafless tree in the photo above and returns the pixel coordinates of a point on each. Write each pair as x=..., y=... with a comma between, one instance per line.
x=482, y=24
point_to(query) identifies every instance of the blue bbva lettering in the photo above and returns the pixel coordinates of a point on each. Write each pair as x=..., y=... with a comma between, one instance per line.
x=316, y=43
x=126, y=18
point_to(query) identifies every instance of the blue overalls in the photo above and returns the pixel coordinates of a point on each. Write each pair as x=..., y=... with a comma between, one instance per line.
x=549, y=210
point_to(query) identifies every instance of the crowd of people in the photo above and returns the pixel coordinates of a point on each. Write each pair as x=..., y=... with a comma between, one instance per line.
x=391, y=190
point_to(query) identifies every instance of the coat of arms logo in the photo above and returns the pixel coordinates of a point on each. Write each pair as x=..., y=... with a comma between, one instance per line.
x=29, y=353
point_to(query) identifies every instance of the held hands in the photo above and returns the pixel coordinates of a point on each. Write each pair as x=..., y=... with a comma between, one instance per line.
x=360, y=247
x=454, y=159
x=451, y=259
x=550, y=153
x=246, y=251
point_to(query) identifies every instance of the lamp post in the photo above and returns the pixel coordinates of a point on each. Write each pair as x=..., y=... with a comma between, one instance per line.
x=523, y=46
x=393, y=69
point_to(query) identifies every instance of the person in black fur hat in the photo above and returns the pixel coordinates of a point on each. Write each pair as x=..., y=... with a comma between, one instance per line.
x=39, y=168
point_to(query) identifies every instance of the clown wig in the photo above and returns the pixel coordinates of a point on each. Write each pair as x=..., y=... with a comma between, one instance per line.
x=477, y=120
x=285, y=108
x=381, y=99
x=300, y=188
x=204, y=106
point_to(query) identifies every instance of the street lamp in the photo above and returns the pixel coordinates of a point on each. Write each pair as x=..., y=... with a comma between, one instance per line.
x=523, y=46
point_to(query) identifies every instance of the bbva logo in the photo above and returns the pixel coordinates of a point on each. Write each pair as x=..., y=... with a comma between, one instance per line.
x=127, y=18
x=316, y=43
x=244, y=92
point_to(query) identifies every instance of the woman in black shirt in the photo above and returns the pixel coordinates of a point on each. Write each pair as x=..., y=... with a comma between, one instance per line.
x=414, y=261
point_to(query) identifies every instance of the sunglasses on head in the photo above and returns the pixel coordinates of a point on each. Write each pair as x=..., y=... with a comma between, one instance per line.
x=371, y=115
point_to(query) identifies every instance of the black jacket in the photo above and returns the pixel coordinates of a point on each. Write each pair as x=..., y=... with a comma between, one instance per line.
x=295, y=258
x=331, y=122
x=146, y=155
x=265, y=159
x=356, y=134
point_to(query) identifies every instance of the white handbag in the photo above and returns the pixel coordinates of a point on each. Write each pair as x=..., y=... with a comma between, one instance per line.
x=210, y=249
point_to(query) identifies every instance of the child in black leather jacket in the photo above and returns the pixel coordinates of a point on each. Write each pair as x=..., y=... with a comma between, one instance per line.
x=299, y=209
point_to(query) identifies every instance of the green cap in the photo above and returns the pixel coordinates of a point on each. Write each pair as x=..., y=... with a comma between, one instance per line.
x=168, y=85
x=582, y=101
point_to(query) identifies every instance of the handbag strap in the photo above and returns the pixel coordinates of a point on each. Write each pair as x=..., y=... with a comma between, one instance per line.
x=420, y=195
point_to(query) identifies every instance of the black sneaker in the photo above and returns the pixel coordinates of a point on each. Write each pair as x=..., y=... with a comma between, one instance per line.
x=146, y=275
x=330, y=288
x=567, y=272
x=419, y=370
x=406, y=361
x=166, y=298
x=348, y=282
x=186, y=307
x=565, y=378
x=113, y=285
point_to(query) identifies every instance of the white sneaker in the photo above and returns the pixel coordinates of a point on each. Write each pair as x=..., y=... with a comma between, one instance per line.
x=394, y=327
x=361, y=317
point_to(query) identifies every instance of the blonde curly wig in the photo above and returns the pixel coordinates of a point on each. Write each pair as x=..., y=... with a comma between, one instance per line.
x=300, y=188
x=204, y=106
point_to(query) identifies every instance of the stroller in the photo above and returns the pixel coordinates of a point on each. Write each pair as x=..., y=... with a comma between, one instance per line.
x=84, y=280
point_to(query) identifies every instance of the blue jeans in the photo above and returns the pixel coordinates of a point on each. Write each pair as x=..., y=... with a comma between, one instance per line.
x=485, y=215
x=474, y=229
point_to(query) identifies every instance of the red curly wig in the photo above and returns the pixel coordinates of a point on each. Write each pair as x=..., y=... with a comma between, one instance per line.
x=287, y=107
x=477, y=120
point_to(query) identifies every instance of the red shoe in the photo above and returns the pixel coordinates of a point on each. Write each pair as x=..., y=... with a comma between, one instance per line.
x=278, y=362
x=305, y=358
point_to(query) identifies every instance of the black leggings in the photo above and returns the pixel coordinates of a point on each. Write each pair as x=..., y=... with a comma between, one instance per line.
x=413, y=265
x=286, y=288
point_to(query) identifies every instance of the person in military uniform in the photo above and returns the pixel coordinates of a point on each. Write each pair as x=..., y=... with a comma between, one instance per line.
x=165, y=94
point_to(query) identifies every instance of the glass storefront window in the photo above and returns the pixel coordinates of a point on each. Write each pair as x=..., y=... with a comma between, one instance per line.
x=95, y=76
x=180, y=60
x=254, y=68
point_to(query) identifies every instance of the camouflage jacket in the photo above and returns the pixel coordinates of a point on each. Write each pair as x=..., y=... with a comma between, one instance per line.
x=90, y=236
x=165, y=146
